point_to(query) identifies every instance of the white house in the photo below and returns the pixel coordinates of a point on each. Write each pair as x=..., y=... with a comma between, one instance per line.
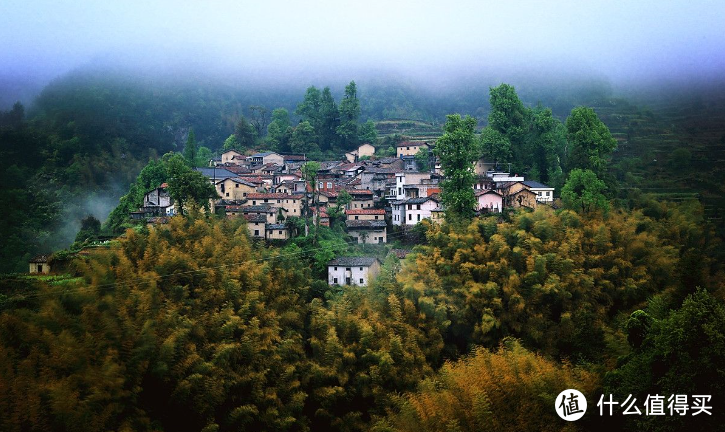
x=489, y=201
x=352, y=270
x=543, y=192
x=417, y=209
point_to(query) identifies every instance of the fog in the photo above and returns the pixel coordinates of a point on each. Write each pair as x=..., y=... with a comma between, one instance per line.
x=624, y=42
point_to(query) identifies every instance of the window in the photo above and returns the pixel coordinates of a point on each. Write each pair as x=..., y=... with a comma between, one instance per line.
x=418, y=217
x=418, y=207
x=376, y=217
x=548, y=193
x=322, y=185
x=348, y=269
x=334, y=280
x=256, y=232
x=407, y=148
x=360, y=268
x=227, y=193
x=335, y=268
x=410, y=217
x=40, y=268
x=361, y=281
x=254, y=202
x=329, y=185
x=280, y=232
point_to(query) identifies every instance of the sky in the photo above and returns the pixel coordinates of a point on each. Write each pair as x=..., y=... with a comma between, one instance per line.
x=624, y=41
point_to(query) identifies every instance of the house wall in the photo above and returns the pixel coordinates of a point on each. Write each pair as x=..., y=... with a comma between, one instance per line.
x=365, y=150
x=490, y=201
x=413, y=215
x=227, y=156
x=39, y=268
x=398, y=214
x=361, y=203
x=366, y=217
x=273, y=158
x=373, y=236
x=275, y=234
x=228, y=189
x=256, y=229
x=409, y=150
x=355, y=274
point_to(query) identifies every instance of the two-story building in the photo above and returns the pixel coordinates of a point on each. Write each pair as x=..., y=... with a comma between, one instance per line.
x=409, y=148
x=352, y=270
x=367, y=231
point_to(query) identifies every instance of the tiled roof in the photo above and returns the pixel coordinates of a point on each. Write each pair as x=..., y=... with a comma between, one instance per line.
x=264, y=208
x=536, y=185
x=352, y=261
x=40, y=259
x=365, y=212
x=359, y=192
x=218, y=173
x=243, y=181
x=487, y=191
x=365, y=224
x=276, y=226
x=420, y=200
x=258, y=218
x=270, y=196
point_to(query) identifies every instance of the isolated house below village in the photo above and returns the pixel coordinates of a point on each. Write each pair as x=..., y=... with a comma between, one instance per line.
x=352, y=270
x=39, y=264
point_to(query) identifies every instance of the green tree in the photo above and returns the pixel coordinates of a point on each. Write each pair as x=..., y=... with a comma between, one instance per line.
x=368, y=133
x=190, y=149
x=349, y=115
x=309, y=174
x=232, y=143
x=422, y=159
x=90, y=229
x=590, y=142
x=303, y=139
x=246, y=134
x=510, y=118
x=203, y=156
x=457, y=151
x=546, y=143
x=309, y=108
x=187, y=185
x=329, y=121
x=495, y=147
x=584, y=192
x=277, y=136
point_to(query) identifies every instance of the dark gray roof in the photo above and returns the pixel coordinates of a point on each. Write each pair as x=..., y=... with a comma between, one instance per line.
x=258, y=218
x=263, y=208
x=419, y=200
x=240, y=181
x=352, y=261
x=262, y=154
x=218, y=173
x=535, y=184
x=365, y=224
x=40, y=259
x=276, y=226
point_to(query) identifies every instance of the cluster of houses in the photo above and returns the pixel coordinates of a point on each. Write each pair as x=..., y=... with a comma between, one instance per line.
x=268, y=189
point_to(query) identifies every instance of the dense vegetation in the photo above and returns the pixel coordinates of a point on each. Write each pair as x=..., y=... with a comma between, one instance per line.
x=191, y=326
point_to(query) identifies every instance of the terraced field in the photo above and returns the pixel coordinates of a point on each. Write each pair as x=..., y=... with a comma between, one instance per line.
x=674, y=150
x=413, y=130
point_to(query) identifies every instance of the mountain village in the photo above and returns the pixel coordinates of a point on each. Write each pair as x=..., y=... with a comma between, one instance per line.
x=378, y=196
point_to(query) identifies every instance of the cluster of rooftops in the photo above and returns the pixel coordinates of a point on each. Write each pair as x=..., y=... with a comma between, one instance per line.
x=268, y=188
